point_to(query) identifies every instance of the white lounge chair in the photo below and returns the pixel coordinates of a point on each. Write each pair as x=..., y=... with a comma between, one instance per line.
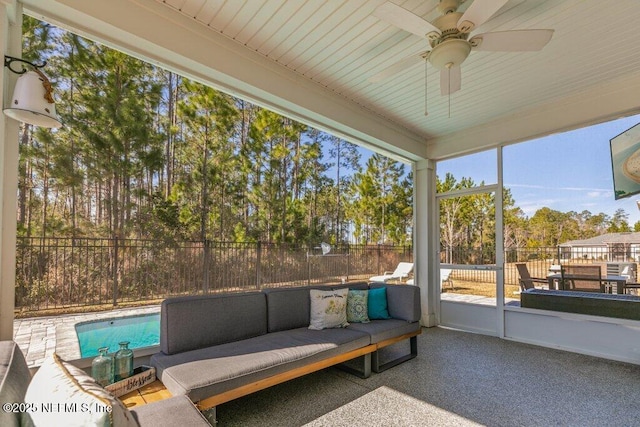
x=445, y=276
x=401, y=272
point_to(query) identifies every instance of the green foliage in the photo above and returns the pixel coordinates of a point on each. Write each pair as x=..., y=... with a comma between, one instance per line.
x=469, y=221
x=148, y=154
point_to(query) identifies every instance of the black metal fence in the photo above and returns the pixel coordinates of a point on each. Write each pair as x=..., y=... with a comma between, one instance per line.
x=540, y=261
x=57, y=272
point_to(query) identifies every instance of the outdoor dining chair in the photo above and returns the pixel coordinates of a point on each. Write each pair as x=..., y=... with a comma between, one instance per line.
x=528, y=282
x=583, y=278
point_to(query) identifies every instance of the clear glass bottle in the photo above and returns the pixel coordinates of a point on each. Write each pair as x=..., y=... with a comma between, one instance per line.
x=123, y=363
x=102, y=367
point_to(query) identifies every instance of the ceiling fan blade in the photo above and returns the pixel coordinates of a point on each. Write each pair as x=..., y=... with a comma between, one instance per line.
x=478, y=13
x=402, y=18
x=450, y=80
x=512, y=41
x=398, y=67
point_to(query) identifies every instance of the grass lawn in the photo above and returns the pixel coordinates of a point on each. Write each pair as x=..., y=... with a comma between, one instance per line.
x=484, y=289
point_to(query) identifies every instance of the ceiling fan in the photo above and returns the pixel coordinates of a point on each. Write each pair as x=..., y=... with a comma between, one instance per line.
x=449, y=41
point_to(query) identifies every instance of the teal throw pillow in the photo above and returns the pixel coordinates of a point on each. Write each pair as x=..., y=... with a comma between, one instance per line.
x=378, y=304
x=357, y=306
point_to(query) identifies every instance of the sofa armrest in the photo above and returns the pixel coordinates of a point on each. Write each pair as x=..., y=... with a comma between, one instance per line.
x=403, y=301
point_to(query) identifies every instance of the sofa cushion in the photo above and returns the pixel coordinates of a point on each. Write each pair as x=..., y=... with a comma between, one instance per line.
x=357, y=306
x=328, y=309
x=175, y=411
x=353, y=286
x=189, y=323
x=74, y=397
x=287, y=308
x=14, y=379
x=214, y=370
x=403, y=301
x=381, y=330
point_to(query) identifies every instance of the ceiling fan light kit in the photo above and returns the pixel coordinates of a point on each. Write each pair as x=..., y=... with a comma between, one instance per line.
x=448, y=37
x=449, y=53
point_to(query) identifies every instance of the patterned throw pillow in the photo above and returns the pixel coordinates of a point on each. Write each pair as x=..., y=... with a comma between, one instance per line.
x=328, y=309
x=73, y=398
x=357, y=306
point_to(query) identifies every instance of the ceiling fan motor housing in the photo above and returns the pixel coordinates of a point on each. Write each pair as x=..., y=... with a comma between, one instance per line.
x=449, y=53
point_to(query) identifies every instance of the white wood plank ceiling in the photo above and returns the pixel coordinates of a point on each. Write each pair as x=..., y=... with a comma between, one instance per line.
x=589, y=71
x=339, y=44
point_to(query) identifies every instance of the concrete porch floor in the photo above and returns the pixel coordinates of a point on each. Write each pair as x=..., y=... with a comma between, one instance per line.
x=458, y=379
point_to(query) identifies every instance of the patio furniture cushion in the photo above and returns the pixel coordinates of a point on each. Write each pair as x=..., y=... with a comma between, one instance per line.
x=287, y=308
x=403, y=301
x=357, y=306
x=381, y=330
x=213, y=370
x=175, y=411
x=377, y=308
x=238, y=316
x=76, y=399
x=328, y=309
x=14, y=380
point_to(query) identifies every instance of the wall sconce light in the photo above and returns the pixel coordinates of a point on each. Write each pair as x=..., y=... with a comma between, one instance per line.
x=32, y=100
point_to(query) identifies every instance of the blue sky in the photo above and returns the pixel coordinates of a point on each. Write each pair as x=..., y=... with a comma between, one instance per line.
x=570, y=171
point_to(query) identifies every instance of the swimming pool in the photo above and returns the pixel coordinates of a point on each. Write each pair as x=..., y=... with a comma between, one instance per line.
x=141, y=331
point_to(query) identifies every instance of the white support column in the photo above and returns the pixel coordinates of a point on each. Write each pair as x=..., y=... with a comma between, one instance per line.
x=499, y=203
x=423, y=258
x=11, y=43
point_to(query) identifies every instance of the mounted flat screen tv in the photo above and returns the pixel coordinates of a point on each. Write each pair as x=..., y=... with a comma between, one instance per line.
x=625, y=162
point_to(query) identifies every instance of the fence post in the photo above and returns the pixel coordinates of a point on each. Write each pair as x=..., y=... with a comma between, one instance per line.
x=115, y=271
x=308, y=268
x=348, y=261
x=205, y=267
x=259, y=264
x=378, y=263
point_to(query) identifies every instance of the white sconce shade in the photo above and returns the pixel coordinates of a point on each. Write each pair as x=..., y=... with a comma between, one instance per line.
x=32, y=101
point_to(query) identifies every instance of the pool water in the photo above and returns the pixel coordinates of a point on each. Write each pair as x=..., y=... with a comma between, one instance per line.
x=141, y=331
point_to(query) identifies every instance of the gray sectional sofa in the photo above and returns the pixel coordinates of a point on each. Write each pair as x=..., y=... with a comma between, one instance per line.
x=216, y=348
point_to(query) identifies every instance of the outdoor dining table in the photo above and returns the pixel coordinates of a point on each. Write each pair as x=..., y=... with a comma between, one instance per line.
x=555, y=280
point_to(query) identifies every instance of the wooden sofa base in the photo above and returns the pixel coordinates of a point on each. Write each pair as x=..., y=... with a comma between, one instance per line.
x=210, y=402
x=413, y=352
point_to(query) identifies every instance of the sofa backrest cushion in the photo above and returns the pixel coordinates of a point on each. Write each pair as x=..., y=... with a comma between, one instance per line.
x=288, y=308
x=14, y=380
x=190, y=323
x=353, y=286
x=403, y=301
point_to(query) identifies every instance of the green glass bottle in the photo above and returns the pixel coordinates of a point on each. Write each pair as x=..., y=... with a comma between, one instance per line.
x=123, y=364
x=102, y=367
